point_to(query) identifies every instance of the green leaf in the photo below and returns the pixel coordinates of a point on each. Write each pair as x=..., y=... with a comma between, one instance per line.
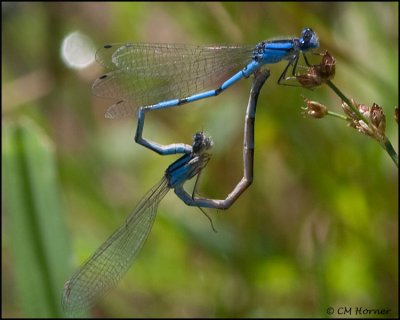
x=34, y=228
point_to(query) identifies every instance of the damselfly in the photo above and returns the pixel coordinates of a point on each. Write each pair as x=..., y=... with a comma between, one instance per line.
x=155, y=76
x=108, y=264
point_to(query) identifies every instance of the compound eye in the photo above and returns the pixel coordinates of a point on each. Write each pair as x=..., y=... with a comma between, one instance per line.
x=307, y=35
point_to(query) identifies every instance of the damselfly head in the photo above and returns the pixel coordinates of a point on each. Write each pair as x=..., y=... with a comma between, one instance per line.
x=201, y=142
x=308, y=39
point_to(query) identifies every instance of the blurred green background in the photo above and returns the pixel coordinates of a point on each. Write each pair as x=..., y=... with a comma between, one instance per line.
x=318, y=228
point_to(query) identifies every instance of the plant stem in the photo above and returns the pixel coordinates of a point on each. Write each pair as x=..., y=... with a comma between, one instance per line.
x=337, y=115
x=390, y=150
x=346, y=100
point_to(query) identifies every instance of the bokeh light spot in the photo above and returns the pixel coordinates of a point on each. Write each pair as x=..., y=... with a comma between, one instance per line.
x=77, y=50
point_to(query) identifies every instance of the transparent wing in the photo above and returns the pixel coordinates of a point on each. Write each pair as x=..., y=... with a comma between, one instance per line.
x=103, y=270
x=145, y=74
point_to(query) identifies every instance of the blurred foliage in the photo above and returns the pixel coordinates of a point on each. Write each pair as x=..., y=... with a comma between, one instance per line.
x=38, y=238
x=319, y=226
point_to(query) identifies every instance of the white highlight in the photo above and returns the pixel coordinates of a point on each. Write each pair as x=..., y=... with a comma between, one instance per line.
x=77, y=50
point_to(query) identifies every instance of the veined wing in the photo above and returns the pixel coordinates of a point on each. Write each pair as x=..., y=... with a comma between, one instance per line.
x=145, y=74
x=107, y=265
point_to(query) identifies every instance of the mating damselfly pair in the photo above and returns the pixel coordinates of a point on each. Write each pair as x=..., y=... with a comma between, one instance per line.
x=156, y=76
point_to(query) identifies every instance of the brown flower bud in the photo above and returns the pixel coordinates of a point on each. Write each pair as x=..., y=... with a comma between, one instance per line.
x=315, y=109
x=378, y=118
x=328, y=66
x=348, y=111
x=372, y=124
x=318, y=74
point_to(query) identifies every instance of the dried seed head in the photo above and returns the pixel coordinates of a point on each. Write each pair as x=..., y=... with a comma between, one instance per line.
x=378, y=118
x=318, y=74
x=364, y=110
x=348, y=111
x=314, y=109
x=372, y=124
x=328, y=66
